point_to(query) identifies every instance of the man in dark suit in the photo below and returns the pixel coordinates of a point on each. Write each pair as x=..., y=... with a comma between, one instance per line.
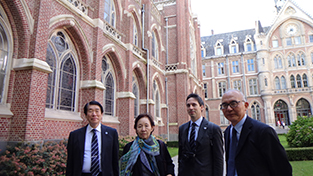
x=200, y=143
x=252, y=147
x=81, y=152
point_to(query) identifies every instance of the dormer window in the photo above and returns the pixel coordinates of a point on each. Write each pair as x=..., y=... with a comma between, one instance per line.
x=233, y=47
x=219, y=50
x=248, y=44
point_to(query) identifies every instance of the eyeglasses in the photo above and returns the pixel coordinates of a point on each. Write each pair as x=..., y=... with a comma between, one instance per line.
x=232, y=104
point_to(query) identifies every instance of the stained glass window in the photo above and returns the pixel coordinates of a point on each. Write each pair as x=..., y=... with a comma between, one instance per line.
x=4, y=46
x=108, y=81
x=61, y=94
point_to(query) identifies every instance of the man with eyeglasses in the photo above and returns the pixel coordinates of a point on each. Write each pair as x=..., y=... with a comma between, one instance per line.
x=252, y=147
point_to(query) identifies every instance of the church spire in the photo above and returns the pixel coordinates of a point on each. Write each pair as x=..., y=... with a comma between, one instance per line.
x=279, y=4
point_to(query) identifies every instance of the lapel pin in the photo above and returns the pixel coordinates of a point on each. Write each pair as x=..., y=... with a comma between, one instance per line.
x=106, y=132
x=204, y=128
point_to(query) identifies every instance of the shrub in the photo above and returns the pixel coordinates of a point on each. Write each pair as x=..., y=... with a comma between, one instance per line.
x=301, y=132
x=300, y=154
x=33, y=159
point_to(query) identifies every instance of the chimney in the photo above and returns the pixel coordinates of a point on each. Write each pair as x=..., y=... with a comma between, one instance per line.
x=212, y=31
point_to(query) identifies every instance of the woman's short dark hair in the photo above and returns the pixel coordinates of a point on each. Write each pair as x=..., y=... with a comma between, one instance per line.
x=92, y=103
x=140, y=116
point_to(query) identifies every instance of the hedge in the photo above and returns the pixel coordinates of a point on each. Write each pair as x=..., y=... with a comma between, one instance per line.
x=299, y=154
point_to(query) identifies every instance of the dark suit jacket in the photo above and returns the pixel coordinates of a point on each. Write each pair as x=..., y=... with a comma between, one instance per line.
x=109, y=151
x=259, y=151
x=164, y=161
x=208, y=160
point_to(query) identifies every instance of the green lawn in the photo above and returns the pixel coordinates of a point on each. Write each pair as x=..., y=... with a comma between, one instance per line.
x=299, y=168
x=173, y=151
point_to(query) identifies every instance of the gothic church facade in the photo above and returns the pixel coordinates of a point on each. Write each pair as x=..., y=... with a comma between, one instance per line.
x=133, y=56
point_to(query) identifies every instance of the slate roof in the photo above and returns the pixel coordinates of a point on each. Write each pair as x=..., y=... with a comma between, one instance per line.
x=209, y=42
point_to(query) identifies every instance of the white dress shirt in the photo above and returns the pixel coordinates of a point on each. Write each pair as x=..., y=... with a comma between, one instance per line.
x=87, y=152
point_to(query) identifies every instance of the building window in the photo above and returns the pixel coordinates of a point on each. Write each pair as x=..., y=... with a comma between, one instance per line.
x=235, y=67
x=220, y=68
x=233, y=47
x=156, y=99
x=135, y=37
x=277, y=83
x=249, y=47
x=291, y=60
x=312, y=57
x=255, y=111
x=248, y=44
x=297, y=40
x=305, y=80
x=292, y=81
x=61, y=91
x=278, y=62
x=237, y=85
x=218, y=49
x=299, y=81
x=301, y=59
x=109, y=12
x=253, y=87
x=203, y=52
x=224, y=121
x=205, y=86
x=155, y=47
x=275, y=43
x=311, y=38
x=283, y=82
x=109, y=83
x=221, y=88
x=265, y=81
x=136, y=100
x=203, y=70
x=250, y=64
x=4, y=48
x=288, y=41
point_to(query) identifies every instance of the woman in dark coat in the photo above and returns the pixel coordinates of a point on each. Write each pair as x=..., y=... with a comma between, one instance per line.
x=146, y=156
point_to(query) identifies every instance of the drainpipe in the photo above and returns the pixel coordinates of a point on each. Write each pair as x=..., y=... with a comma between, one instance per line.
x=166, y=86
x=147, y=51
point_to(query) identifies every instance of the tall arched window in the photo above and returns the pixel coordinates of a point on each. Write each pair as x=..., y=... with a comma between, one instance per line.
x=155, y=47
x=255, y=110
x=277, y=83
x=291, y=60
x=109, y=83
x=136, y=100
x=303, y=107
x=4, y=53
x=292, y=81
x=301, y=59
x=278, y=62
x=61, y=91
x=299, y=81
x=109, y=12
x=156, y=99
x=305, y=80
x=135, y=35
x=283, y=82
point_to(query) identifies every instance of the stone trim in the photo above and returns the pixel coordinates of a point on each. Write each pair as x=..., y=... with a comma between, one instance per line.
x=32, y=63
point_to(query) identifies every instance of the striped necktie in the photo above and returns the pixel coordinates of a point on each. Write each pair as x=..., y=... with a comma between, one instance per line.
x=95, y=169
x=192, y=141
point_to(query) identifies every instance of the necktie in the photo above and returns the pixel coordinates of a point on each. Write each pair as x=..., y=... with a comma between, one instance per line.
x=192, y=141
x=232, y=153
x=95, y=169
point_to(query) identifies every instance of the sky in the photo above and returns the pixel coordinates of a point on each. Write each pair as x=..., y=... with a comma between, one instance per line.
x=223, y=16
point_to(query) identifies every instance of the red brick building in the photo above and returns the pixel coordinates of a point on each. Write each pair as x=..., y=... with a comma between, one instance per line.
x=133, y=56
